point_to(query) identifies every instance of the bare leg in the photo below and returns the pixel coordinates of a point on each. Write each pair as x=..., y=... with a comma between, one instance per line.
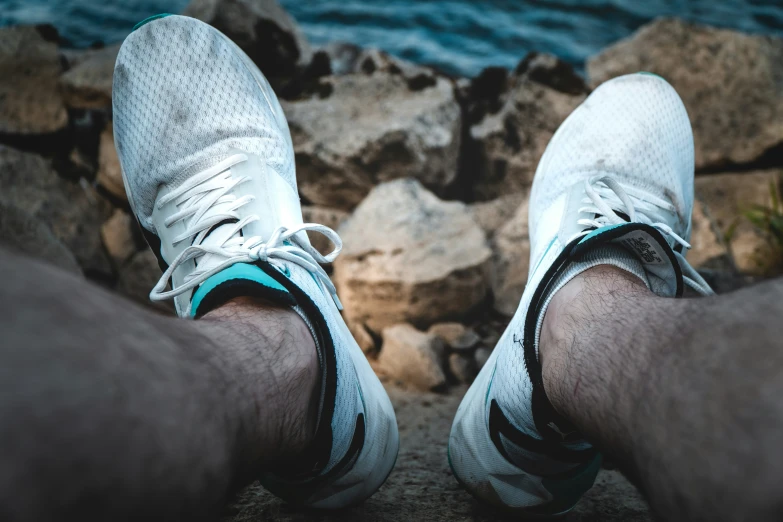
x=109, y=412
x=685, y=394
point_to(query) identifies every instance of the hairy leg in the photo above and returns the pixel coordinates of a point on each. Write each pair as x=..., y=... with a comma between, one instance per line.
x=684, y=393
x=110, y=412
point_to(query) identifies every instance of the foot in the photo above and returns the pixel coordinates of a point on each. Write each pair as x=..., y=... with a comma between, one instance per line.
x=614, y=187
x=208, y=165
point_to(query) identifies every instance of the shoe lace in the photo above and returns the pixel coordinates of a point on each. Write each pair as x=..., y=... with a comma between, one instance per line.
x=604, y=194
x=205, y=200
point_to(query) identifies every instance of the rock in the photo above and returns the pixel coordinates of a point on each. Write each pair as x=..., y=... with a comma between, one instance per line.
x=511, y=259
x=730, y=83
x=117, y=236
x=549, y=70
x=457, y=336
x=138, y=276
x=262, y=29
x=412, y=357
x=27, y=234
x=463, y=367
x=371, y=61
x=109, y=171
x=708, y=248
x=30, y=102
x=330, y=217
x=372, y=129
x=491, y=215
x=508, y=144
x=728, y=197
x=343, y=57
x=88, y=84
x=410, y=257
x=347, y=58
x=485, y=93
x=73, y=211
x=363, y=338
x=482, y=356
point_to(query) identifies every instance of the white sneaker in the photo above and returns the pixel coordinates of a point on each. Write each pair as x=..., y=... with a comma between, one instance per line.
x=615, y=186
x=208, y=165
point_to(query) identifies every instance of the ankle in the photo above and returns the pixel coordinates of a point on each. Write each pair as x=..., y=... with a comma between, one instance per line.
x=271, y=349
x=572, y=316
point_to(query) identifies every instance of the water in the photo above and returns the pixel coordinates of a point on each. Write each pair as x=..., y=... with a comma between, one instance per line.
x=458, y=36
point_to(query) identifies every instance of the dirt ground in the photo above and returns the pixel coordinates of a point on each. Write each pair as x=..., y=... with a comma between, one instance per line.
x=421, y=487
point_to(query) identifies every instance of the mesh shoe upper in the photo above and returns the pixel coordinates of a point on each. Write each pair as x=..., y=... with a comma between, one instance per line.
x=182, y=99
x=634, y=127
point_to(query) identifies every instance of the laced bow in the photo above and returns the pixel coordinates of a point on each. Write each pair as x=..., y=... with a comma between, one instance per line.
x=604, y=194
x=204, y=201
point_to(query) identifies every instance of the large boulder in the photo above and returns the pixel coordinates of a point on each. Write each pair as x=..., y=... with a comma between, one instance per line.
x=30, y=101
x=262, y=29
x=88, y=83
x=513, y=119
x=511, y=260
x=374, y=128
x=731, y=84
x=73, y=211
x=410, y=257
x=729, y=197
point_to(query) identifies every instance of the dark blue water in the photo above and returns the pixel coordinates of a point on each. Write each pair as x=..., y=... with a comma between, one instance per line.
x=459, y=36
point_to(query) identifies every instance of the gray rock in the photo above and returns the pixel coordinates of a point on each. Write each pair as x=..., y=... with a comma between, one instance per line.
x=26, y=233
x=728, y=196
x=511, y=260
x=372, y=129
x=412, y=357
x=88, y=83
x=262, y=29
x=463, y=367
x=410, y=257
x=730, y=83
x=457, y=336
x=30, y=101
x=73, y=211
x=509, y=143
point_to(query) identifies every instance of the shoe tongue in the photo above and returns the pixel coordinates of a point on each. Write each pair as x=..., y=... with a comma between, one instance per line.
x=218, y=235
x=647, y=245
x=238, y=280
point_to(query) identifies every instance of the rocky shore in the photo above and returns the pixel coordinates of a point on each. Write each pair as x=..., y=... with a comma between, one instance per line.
x=425, y=176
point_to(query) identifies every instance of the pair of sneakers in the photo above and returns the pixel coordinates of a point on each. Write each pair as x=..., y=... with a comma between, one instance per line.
x=208, y=166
